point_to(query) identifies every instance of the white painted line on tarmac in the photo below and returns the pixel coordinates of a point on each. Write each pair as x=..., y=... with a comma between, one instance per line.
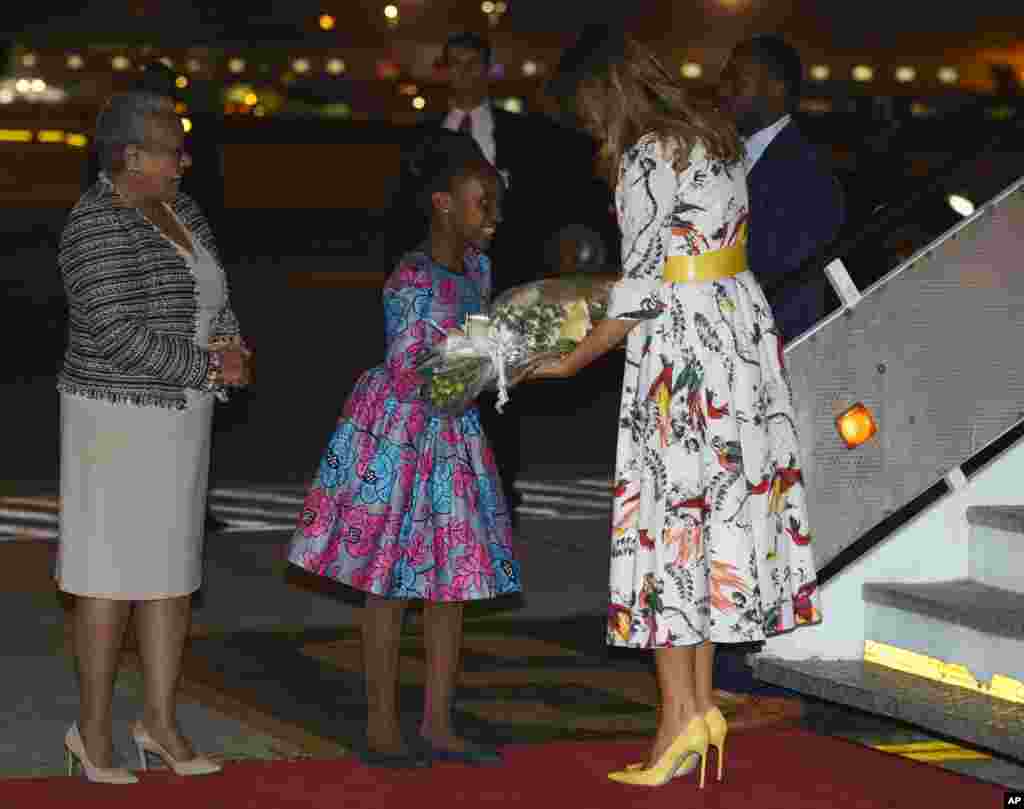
x=257, y=496
x=561, y=488
x=550, y=513
x=241, y=526
x=604, y=485
x=255, y=511
x=47, y=517
x=595, y=504
x=17, y=532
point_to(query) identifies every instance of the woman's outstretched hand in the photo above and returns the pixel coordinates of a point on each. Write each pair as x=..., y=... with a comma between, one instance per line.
x=555, y=369
x=602, y=339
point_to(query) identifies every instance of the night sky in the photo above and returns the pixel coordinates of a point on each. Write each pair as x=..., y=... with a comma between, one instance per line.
x=860, y=24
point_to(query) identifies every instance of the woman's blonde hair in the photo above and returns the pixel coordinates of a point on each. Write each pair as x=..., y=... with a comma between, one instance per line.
x=633, y=95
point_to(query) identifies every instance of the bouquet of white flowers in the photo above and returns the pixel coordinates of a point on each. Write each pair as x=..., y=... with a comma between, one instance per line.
x=526, y=327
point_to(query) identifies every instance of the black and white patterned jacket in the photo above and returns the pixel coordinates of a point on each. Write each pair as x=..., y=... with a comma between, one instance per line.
x=133, y=304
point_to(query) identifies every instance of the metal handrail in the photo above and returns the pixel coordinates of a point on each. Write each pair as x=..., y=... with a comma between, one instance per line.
x=841, y=247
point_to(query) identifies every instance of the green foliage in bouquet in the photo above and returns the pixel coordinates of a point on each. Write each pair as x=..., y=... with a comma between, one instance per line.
x=446, y=388
x=540, y=323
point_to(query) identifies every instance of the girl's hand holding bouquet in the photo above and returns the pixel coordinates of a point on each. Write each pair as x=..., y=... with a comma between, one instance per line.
x=528, y=326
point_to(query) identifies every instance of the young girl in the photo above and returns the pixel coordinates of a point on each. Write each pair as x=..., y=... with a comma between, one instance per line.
x=407, y=503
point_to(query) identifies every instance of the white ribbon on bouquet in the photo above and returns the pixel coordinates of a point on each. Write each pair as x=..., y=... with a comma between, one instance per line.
x=485, y=338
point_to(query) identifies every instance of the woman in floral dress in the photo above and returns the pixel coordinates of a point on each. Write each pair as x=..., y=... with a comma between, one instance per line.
x=407, y=502
x=710, y=535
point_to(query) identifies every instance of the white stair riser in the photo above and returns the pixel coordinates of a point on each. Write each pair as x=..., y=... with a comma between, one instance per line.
x=996, y=557
x=983, y=654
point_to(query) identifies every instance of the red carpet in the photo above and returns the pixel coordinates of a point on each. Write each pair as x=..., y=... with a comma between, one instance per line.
x=772, y=769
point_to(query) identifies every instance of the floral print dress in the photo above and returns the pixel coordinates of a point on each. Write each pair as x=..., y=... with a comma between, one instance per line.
x=710, y=538
x=407, y=502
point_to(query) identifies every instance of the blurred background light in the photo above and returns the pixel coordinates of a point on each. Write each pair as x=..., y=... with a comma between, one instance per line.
x=961, y=204
x=905, y=74
x=863, y=73
x=691, y=70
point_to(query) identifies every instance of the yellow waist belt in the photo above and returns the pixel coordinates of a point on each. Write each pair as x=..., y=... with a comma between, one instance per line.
x=710, y=266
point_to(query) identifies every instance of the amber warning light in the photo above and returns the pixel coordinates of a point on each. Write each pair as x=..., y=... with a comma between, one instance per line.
x=856, y=425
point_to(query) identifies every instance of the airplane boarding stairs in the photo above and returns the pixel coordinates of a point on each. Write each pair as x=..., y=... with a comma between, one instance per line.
x=919, y=532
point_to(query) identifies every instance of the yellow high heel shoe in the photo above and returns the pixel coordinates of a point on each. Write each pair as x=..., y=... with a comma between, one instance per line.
x=717, y=730
x=147, y=744
x=74, y=749
x=692, y=742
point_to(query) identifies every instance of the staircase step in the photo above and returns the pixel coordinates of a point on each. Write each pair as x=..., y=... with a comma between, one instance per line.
x=975, y=719
x=1004, y=518
x=963, y=602
x=996, y=549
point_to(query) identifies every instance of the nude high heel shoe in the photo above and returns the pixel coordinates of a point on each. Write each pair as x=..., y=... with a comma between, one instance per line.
x=74, y=749
x=692, y=742
x=147, y=744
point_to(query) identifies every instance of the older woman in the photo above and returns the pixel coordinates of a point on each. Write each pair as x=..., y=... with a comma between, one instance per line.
x=148, y=304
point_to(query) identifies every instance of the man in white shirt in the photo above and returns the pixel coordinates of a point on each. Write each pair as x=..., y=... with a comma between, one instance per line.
x=468, y=60
x=547, y=168
x=796, y=205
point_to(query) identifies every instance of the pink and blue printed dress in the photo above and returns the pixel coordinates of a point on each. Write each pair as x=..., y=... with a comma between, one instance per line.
x=407, y=502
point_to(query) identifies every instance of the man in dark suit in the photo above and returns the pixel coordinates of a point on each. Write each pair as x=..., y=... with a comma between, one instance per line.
x=547, y=168
x=796, y=205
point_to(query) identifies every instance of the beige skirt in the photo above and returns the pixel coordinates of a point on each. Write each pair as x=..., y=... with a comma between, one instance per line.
x=133, y=498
